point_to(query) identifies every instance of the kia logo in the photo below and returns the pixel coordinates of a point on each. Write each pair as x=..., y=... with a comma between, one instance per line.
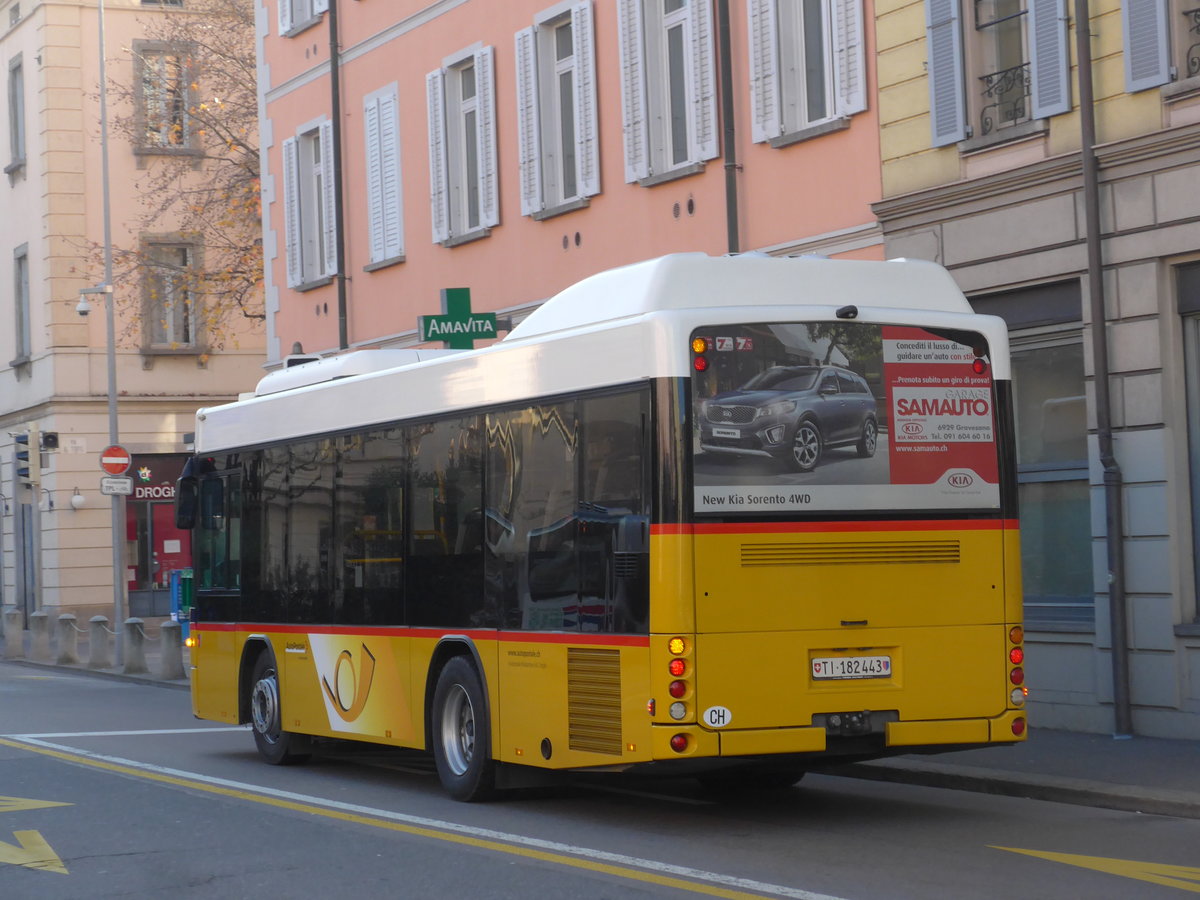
x=961, y=479
x=913, y=428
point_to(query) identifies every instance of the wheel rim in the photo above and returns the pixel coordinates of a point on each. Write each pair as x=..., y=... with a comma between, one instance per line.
x=264, y=706
x=869, y=436
x=806, y=446
x=458, y=730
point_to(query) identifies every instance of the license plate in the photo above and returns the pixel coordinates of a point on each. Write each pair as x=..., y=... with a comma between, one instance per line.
x=727, y=432
x=838, y=667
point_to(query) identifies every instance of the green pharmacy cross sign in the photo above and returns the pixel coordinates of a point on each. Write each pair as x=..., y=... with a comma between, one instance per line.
x=458, y=327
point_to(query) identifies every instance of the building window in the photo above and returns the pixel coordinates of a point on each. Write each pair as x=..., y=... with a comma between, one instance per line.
x=381, y=124
x=462, y=146
x=308, y=201
x=16, y=116
x=296, y=15
x=23, y=330
x=556, y=110
x=806, y=64
x=995, y=64
x=668, y=93
x=164, y=97
x=170, y=311
x=1052, y=466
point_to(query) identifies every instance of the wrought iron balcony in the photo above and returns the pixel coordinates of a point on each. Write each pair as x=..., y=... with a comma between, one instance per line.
x=1005, y=98
x=1192, y=57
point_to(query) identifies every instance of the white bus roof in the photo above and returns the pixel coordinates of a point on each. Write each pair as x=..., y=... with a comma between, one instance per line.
x=698, y=281
x=618, y=327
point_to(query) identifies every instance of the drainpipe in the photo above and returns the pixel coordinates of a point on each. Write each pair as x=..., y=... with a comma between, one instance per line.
x=729, y=128
x=339, y=217
x=1113, y=518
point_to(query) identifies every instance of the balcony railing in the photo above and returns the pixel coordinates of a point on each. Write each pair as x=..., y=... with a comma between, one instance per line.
x=1192, y=56
x=1005, y=98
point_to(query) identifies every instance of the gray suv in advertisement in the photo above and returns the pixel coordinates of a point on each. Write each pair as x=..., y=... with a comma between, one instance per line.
x=793, y=413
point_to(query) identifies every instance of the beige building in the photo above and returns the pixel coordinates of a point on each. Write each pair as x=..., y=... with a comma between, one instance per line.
x=56, y=535
x=981, y=124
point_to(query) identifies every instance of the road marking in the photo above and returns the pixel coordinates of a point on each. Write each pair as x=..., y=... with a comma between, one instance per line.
x=79, y=734
x=1184, y=877
x=15, y=804
x=713, y=884
x=32, y=852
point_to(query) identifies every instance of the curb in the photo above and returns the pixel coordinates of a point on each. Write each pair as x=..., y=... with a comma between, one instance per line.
x=1077, y=791
x=112, y=674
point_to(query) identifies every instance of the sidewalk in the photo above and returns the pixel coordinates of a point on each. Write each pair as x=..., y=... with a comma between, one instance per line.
x=1140, y=774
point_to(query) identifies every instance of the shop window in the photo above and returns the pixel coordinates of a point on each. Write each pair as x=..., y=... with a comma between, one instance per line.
x=1052, y=459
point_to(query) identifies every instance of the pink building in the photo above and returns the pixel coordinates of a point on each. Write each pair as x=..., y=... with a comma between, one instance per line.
x=515, y=148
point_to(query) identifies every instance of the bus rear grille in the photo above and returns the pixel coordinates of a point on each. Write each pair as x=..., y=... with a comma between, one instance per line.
x=856, y=554
x=594, y=700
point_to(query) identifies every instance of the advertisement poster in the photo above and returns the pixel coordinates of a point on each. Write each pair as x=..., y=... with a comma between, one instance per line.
x=841, y=416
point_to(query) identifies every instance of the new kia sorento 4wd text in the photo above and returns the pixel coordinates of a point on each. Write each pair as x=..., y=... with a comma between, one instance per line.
x=793, y=413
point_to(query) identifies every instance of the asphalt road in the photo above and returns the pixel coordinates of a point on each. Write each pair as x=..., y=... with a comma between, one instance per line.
x=111, y=789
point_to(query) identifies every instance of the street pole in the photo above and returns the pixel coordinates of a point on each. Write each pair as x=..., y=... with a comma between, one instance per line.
x=118, y=501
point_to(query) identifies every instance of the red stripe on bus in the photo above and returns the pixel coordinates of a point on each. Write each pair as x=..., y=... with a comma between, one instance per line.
x=400, y=631
x=818, y=527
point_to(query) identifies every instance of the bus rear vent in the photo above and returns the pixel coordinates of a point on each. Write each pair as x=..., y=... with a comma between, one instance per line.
x=850, y=554
x=594, y=700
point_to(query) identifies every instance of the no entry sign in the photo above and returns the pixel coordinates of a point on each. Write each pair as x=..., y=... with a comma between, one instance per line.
x=115, y=460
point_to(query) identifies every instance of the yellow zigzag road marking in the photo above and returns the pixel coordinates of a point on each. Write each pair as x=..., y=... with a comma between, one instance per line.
x=1185, y=878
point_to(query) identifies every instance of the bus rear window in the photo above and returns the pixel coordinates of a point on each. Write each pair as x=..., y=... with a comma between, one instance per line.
x=845, y=416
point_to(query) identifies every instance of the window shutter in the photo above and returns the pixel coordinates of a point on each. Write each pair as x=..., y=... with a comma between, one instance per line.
x=765, y=119
x=489, y=199
x=944, y=39
x=381, y=124
x=849, y=68
x=285, y=16
x=1049, y=64
x=529, y=153
x=389, y=161
x=587, y=130
x=439, y=197
x=1147, y=63
x=633, y=89
x=320, y=6
x=329, y=199
x=704, y=83
x=291, y=210
x=374, y=176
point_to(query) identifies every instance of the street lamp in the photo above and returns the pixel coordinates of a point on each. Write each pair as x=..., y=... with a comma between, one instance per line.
x=118, y=501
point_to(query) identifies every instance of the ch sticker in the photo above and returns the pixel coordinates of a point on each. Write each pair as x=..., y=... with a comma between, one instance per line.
x=349, y=685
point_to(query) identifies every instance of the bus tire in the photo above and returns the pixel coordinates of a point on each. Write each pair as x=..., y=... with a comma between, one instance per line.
x=870, y=439
x=806, y=447
x=276, y=746
x=461, y=733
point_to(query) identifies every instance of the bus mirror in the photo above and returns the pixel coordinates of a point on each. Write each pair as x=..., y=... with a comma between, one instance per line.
x=186, y=494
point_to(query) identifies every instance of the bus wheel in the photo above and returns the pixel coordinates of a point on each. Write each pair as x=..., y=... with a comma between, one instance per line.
x=806, y=447
x=751, y=778
x=461, y=745
x=869, y=440
x=276, y=746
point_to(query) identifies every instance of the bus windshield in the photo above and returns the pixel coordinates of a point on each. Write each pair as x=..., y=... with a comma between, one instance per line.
x=842, y=416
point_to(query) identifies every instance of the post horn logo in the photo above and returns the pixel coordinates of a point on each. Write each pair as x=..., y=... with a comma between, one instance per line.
x=359, y=684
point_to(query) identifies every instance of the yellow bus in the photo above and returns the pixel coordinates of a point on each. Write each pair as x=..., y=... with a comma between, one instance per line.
x=721, y=517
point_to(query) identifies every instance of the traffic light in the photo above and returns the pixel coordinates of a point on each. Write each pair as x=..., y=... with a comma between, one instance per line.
x=49, y=442
x=28, y=459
